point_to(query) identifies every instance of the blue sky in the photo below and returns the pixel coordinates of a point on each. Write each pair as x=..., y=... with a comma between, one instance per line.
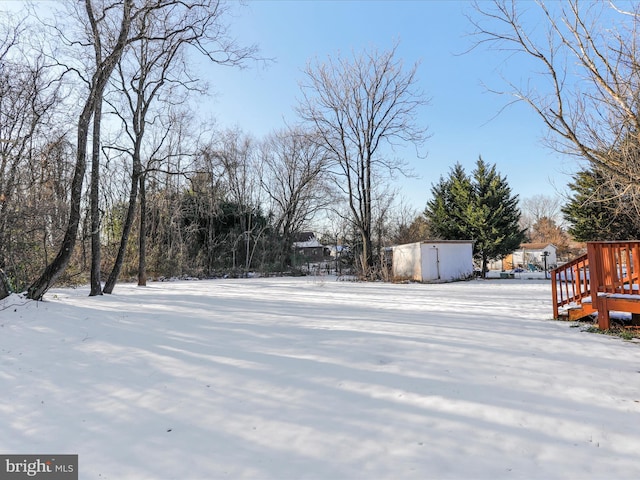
x=465, y=120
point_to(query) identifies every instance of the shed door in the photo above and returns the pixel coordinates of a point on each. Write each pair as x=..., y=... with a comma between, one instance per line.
x=430, y=267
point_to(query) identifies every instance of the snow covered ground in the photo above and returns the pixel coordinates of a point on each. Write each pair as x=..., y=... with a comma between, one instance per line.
x=314, y=378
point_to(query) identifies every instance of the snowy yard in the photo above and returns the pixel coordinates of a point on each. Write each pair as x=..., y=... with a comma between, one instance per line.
x=313, y=378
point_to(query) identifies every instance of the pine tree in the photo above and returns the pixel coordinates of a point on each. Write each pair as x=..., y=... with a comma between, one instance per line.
x=446, y=210
x=594, y=212
x=496, y=215
x=480, y=208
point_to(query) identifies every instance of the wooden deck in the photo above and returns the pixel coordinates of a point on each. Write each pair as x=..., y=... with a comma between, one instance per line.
x=606, y=279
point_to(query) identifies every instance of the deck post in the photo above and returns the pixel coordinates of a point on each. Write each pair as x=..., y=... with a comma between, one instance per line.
x=596, y=280
x=554, y=293
x=604, y=322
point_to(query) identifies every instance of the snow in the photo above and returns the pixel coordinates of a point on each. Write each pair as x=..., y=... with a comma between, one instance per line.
x=627, y=296
x=312, y=378
x=311, y=243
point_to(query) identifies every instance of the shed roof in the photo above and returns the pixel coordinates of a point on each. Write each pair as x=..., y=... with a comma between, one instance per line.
x=535, y=246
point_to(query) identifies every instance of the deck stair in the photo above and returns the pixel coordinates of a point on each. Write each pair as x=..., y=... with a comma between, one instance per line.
x=571, y=290
x=606, y=279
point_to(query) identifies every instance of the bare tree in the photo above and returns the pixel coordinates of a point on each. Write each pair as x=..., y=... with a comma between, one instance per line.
x=30, y=99
x=409, y=230
x=293, y=175
x=156, y=71
x=236, y=153
x=358, y=106
x=113, y=48
x=172, y=157
x=587, y=78
x=536, y=207
x=95, y=280
x=107, y=26
x=383, y=212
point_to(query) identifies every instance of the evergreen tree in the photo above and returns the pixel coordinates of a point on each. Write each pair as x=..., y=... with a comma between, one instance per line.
x=496, y=215
x=480, y=208
x=446, y=211
x=595, y=212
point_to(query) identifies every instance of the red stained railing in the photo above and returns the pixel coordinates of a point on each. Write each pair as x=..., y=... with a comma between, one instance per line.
x=609, y=274
x=570, y=283
x=615, y=266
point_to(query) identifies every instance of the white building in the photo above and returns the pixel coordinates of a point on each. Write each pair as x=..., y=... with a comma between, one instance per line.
x=532, y=255
x=433, y=261
x=528, y=256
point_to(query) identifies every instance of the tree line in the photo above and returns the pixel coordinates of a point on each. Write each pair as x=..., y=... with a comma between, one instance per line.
x=107, y=173
x=143, y=185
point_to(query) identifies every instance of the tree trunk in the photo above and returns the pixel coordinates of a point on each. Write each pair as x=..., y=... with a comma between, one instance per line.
x=3, y=227
x=103, y=71
x=484, y=266
x=366, y=257
x=126, y=231
x=96, y=286
x=5, y=287
x=53, y=271
x=142, y=255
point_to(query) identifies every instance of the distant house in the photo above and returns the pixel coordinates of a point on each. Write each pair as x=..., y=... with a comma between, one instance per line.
x=336, y=250
x=531, y=256
x=433, y=261
x=307, y=247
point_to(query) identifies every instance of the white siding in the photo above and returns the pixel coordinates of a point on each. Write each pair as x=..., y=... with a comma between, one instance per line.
x=406, y=262
x=454, y=261
x=433, y=261
x=525, y=256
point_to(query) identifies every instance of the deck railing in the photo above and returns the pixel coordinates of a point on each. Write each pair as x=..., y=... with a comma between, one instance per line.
x=570, y=283
x=615, y=267
x=607, y=279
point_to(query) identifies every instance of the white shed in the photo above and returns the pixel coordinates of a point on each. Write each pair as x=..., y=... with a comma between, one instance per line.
x=433, y=261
